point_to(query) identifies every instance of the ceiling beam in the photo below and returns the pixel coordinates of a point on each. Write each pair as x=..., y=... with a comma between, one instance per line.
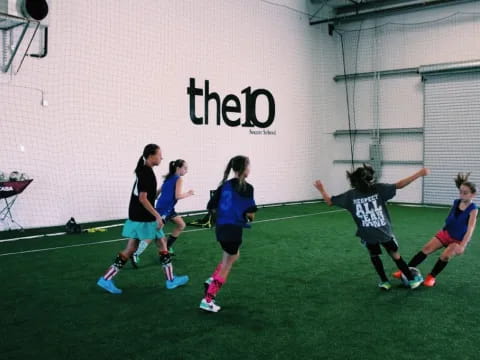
x=358, y=14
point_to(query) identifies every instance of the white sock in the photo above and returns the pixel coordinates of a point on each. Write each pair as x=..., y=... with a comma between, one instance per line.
x=168, y=270
x=111, y=272
x=141, y=247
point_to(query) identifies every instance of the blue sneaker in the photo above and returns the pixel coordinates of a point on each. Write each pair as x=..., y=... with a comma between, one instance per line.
x=176, y=282
x=108, y=285
x=416, y=282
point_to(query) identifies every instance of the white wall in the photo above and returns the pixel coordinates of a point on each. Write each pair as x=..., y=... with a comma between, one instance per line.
x=115, y=79
x=400, y=98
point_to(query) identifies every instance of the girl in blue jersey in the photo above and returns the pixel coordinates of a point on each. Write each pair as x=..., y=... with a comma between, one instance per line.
x=144, y=223
x=234, y=206
x=455, y=235
x=171, y=192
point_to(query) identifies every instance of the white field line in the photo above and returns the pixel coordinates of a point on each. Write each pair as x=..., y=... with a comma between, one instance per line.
x=186, y=231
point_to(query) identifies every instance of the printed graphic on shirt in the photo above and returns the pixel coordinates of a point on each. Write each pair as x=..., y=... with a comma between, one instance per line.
x=369, y=211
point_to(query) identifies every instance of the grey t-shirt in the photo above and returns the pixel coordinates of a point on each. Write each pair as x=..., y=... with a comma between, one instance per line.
x=369, y=211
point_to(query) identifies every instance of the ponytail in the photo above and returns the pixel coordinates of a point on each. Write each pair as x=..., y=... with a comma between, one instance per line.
x=172, y=167
x=462, y=179
x=140, y=164
x=238, y=164
x=226, y=172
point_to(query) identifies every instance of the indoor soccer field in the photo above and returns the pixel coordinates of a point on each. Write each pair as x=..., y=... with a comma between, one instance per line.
x=303, y=282
x=304, y=135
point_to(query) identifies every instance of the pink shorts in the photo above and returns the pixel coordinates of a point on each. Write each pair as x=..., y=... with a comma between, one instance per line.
x=445, y=238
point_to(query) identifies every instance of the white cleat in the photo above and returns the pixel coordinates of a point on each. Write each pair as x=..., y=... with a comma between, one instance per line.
x=209, y=306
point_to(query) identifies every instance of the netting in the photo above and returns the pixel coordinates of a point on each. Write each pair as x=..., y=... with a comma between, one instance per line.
x=116, y=79
x=393, y=117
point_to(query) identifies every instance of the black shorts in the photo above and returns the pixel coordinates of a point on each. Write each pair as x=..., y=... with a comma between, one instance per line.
x=375, y=249
x=169, y=216
x=229, y=237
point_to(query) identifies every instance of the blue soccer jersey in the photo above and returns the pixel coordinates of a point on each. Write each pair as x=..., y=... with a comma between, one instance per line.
x=167, y=200
x=456, y=222
x=232, y=201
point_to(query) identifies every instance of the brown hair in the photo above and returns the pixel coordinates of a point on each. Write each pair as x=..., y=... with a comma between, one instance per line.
x=362, y=178
x=172, y=167
x=462, y=179
x=238, y=164
x=150, y=149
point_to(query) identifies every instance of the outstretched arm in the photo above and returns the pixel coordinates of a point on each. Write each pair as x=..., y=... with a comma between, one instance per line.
x=320, y=187
x=406, y=181
x=178, y=190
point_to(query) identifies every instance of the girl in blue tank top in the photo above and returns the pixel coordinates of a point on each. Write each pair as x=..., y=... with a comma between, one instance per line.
x=234, y=206
x=455, y=235
x=170, y=193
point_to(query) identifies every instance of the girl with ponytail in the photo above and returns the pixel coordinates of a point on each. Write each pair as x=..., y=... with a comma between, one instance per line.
x=234, y=206
x=144, y=222
x=455, y=235
x=170, y=192
x=367, y=203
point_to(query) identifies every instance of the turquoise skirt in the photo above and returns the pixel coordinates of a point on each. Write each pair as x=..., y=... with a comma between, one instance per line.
x=142, y=230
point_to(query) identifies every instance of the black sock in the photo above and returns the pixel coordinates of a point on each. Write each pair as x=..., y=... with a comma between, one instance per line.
x=171, y=240
x=378, y=265
x=402, y=265
x=417, y=259
x=120, y=261
x=439, y=266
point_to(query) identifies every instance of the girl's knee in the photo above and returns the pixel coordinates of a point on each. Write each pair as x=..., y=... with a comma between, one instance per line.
x=428, y=249
x=448, y=254
x=460, y=250
x=445, y=257
x=456, y=249
x=181, y=226
x=235, y=257
x=395, y=255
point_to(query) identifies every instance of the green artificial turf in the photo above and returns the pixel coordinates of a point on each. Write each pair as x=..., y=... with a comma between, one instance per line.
x=303, y=288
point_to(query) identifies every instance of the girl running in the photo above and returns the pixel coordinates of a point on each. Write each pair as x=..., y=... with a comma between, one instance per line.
x=144, y=222
x=171, y=192
x=455, y=235
x=367, y=203
x=234, y=206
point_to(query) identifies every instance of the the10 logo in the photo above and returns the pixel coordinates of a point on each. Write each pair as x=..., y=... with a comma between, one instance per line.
x=231, y=105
